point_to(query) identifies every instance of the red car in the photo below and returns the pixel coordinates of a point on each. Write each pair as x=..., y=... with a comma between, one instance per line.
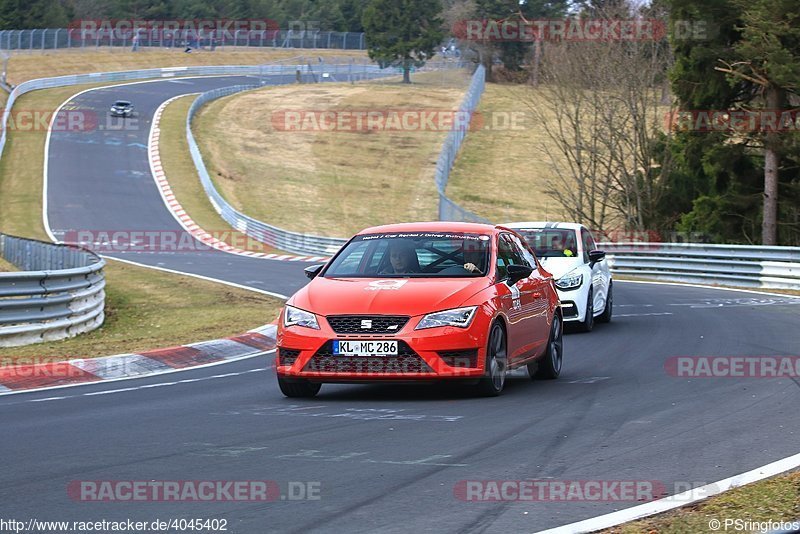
x=422, y=302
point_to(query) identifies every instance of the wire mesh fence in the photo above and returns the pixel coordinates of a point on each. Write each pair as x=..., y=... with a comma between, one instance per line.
x=75, y=38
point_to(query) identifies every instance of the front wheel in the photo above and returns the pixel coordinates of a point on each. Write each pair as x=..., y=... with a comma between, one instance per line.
x=605, y=317
x=588, y=321
x=298, y=388
x=491, y=385
x=549, y=367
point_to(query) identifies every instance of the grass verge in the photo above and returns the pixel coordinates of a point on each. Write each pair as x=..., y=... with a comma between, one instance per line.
x=145, y=309
x=28, y=66
x=502, y=172
x=6, y=267
x=327, y=182
x=774, y=499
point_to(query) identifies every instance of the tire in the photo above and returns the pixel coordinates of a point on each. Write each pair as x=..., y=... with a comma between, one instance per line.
x=588, y=321
x=491, y=385
x=298, y=388
x=549, y=367
x=605, y=317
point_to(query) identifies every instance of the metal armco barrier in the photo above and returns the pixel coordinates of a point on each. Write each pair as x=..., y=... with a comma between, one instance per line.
x=733, y=265
x=60, y=293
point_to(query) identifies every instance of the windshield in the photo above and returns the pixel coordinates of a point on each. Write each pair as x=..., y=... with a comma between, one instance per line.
x=121, y=103
x=415, y=255
x=551, y=242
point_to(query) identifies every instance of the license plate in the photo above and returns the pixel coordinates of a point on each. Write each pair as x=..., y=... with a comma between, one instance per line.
x=365, y=348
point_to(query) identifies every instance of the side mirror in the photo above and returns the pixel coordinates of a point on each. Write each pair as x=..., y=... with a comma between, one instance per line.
x=517, y=273
x=596, y=256
x=313, y=271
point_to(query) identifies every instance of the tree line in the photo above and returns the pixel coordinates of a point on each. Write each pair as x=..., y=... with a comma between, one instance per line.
x=622, y=158
x=331, y=15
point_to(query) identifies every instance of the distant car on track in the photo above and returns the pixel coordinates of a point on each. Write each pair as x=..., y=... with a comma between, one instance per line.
x=122, y=108
x=422, y=302
x=583, y=279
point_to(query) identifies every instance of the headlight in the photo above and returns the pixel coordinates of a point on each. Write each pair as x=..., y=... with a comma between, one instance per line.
x=460, y=317
x=571, y=280
x=296, y=317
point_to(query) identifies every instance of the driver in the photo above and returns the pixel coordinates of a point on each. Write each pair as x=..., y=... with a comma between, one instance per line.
x=474, y=257
x=402, y=258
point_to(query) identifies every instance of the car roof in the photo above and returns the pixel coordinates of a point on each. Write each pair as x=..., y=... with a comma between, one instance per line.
x=433, y=226
x=122, y=102
x=544, y=224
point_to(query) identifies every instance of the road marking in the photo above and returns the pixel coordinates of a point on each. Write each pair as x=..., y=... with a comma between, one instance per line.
x=641, y=314
x=148, y=386
x=590, y=380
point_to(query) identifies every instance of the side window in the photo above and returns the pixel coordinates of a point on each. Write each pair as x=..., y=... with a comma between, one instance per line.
x=524, y=251
x=507, y=254
x=588, y=244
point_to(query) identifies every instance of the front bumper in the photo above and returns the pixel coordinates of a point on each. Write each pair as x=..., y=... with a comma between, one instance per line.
x=430, y=354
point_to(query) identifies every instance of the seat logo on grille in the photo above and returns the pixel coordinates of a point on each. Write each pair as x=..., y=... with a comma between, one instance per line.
x=366, y=324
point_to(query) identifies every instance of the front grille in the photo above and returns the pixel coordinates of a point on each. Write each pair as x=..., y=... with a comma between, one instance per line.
x=406, y=361
x=287, y=356
x=460, y=358
x=367, y=324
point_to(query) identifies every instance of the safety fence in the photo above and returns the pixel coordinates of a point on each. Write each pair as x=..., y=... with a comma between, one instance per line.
x=76, y=38
x=731, y=265
x=449, y=210
x=58, y=293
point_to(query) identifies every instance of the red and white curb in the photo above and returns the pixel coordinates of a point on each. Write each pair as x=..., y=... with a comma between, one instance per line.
x=16, y=378
x=180, y=214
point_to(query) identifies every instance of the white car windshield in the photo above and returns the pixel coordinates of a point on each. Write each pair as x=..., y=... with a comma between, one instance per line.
x=412, y=254
x=551, y=242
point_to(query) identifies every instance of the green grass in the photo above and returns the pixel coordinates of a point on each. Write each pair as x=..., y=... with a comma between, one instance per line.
x=6, y=266
x=774, y=499
x=145, y=309
x=502, y=172
x=327, y=182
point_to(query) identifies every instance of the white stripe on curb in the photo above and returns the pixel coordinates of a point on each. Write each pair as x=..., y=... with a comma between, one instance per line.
x=677, y=501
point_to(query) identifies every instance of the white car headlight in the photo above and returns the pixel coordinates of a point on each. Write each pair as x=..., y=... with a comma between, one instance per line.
x=571, y=280
x=460, y=317
x=296, y=317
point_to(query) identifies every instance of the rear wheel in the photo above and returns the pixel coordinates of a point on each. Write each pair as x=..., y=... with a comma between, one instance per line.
x=588, y=321
x=298, y=388
x=605, y=317
x=549, y=366
x=494, y=379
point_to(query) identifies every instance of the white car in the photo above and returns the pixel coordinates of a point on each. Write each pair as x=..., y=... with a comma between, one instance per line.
x=583, y=279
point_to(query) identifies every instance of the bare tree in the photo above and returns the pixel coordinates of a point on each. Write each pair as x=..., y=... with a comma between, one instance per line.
x=599, y=104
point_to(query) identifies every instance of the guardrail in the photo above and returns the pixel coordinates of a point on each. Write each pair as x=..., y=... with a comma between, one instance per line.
x=737, y=265
x=60, y=292
x=75, y=38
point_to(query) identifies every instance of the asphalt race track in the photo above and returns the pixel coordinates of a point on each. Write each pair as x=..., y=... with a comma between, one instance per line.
x=390, y=457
